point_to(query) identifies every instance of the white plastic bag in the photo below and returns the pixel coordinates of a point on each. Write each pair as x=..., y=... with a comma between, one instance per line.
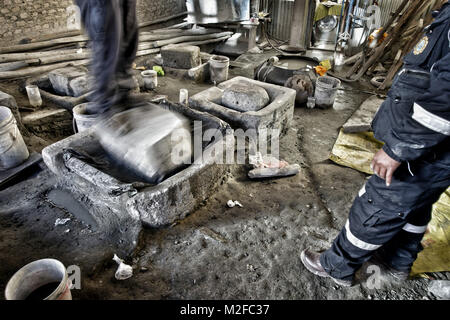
x=124, y=271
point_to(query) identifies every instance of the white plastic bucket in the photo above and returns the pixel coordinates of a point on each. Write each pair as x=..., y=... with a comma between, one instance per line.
x=184, y=97
x=34, y=95
x=326, y=88
x=150, y=78
x=81, y=120
x=44, y=279
x=218, y=68
x=13, y=150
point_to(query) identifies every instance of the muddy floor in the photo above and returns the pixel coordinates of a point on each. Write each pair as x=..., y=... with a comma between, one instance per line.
x=216, y=252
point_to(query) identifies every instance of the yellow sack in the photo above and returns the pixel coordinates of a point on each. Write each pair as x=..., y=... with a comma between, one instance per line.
x=435, y=256
x=326, y=64
x=356, y=150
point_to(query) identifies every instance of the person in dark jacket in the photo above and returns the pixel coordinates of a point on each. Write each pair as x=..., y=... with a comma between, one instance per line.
x=390, y=214
x=113, y=30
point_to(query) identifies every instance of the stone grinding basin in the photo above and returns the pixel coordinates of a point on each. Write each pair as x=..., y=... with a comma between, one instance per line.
x=120, y=202
x=276, y=114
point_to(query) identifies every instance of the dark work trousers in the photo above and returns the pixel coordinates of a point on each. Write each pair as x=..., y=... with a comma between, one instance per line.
x=392, y=220
x=112, y=28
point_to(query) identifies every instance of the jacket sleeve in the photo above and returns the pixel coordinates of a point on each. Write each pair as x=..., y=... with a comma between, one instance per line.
x=429, y=124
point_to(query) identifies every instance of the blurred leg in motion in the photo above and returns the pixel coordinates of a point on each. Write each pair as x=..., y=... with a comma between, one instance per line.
x=112, y=28
x=128, y=48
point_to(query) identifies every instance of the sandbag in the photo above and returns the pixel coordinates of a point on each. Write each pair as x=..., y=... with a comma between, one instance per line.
x=435, y=256
x=355, y=150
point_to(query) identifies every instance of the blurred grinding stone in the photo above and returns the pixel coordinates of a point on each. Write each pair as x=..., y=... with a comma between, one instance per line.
x=181, y=57
x=244, y=97
x=150, y=141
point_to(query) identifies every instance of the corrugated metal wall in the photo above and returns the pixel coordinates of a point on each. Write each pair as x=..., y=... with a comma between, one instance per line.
x=281, y=13
x=387, y=7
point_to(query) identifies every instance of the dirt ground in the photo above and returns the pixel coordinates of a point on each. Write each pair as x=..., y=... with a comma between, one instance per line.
x=216, y=252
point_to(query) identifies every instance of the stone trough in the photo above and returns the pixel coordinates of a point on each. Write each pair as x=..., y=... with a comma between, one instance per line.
x=277, y=114
x=120, y=208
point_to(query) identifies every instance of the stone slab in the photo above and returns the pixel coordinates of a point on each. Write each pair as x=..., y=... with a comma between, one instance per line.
x=79, y=86
x=361, y=119
x=181, y=57
x=61, y=78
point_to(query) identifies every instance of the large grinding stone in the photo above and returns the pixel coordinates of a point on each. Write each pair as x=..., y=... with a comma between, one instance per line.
x=151, y=141
x=181, y=57
x=244, y=97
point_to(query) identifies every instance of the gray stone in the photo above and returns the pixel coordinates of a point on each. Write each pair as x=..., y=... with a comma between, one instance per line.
x=278, y=114
x=245, y=97
x=361, y=119
x=61, y=78
x=181, y=57
x=79, y=86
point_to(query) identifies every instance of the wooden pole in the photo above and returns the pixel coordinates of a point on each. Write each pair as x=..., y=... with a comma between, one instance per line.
x=392, y=37
x=10, y=57
x=42, y=44
x=22, y=73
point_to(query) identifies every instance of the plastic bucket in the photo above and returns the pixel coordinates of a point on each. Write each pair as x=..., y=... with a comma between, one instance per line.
x=184, y=96
x=326, y=88
x=13, y=150
x=44, y=279
x=218, y=68
x=81, y=120
x=34, y=95
x=150, y=78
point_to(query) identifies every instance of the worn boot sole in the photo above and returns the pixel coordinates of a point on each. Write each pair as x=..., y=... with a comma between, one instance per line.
x=305, y=262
